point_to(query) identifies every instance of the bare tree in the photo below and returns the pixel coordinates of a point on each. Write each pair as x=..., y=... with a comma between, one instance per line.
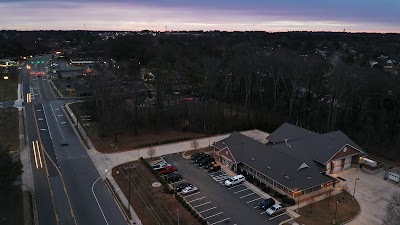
x=393, y=210
x=329, y=194
x=151, y=152
x=194, y=144
x=344, y=189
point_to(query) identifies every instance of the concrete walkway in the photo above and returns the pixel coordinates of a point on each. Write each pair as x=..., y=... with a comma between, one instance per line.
x=105, y=162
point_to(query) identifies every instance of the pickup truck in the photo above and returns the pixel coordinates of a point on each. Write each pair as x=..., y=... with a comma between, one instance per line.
x=275, y=209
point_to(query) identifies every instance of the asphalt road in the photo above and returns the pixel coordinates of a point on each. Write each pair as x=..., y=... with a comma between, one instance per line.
x=64, y=176
x=217, y=202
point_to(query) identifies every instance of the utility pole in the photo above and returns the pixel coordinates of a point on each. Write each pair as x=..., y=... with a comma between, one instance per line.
x=128, y=169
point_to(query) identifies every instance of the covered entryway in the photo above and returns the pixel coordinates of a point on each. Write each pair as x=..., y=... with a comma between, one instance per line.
x=347, y=163
x=336, y=165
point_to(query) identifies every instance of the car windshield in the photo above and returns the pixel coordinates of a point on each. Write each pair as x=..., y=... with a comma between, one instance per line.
x=273, y=208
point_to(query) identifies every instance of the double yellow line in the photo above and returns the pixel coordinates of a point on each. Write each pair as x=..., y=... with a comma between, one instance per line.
x=35, y=148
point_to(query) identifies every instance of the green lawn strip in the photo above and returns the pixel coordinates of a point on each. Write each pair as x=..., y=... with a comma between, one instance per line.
x=9, y=131
x=323, y=212
x=8, y=89
x=11, y=210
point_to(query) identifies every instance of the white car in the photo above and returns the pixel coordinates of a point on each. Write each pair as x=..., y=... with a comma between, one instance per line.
x=188, y=190
x=275, y=209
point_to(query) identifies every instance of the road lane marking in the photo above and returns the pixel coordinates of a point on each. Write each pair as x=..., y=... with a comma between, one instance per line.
x=42, y=129
x=196, y=199
x=52, y=109
x=34, y=154
x=208, y=209
x=40, y=157
x=240, y=191
x=101, y=210
x=40, y=119
x=63, y=122
x=205, y=203
x=221, y=221
x=254, y=200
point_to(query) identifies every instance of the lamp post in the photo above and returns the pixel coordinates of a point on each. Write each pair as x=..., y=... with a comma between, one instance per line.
x=128, y=168
x=4, y=89
x=334, y=220
x=355, y=183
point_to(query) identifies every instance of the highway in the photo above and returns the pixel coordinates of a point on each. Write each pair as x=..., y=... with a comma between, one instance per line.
x=64, y=176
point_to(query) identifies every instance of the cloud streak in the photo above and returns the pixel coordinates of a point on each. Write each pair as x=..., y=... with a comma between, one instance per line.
x=284, y=15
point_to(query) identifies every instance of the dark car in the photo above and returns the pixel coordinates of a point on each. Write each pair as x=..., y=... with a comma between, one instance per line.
x=266, y=203
x=201, y=158
x=181, y=186
x=173, y=177
x=205, y=161
x=195, y=155
x=209, y=164
x=214, y=169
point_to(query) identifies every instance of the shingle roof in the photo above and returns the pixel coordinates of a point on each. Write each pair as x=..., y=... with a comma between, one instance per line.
x=289, y=132
x=275, y=164
x=309, y=146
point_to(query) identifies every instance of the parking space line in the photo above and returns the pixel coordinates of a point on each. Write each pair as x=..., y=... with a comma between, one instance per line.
x=208, y=209
x=244, y=196
x=221, y=221
x=192, y=194
x=219, y=176
x=240, y=191
x=178, y=181
x=196, y=199
x=236, y=186
x=205, y=203
x=263, y=212
x=277, y=216
x=254, y=200
x=213, y=215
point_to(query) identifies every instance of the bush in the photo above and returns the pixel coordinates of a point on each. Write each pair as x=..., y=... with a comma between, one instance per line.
x=166, y=189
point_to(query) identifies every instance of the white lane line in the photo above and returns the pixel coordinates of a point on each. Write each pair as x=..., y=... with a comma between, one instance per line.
x=57, y=122
x=205, y=203
x=254, y=200
x=45, y=91
x=244, y=196
x=40, y=119
x=192, y=194
x=42, y=129
x=196, y=199
x=63, y=122
x=208, y=209
x=98, y=201
x=277, y=216
x=213, y=215
x=221, y=221
x=235, y=186
x=240, y=191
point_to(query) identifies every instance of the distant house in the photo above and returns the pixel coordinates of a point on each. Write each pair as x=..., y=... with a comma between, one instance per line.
x=295, y=161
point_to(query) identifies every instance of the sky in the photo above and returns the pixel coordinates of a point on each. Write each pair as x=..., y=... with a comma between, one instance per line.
x=228, y=15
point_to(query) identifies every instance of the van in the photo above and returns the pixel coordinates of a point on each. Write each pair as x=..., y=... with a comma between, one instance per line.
x=234, y=180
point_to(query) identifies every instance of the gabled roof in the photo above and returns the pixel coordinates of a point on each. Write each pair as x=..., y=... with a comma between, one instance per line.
x=289, y=132
x=310, y=146
x=284, y=169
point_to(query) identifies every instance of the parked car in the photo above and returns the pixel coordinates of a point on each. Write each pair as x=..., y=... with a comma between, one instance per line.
x=195, y=155
x=234, y=180
x=201, y=158
x=210, y=164
x=206, y=160
x=189, y=190
x=173, y=177
x=214, y=169
x=167, y=170
x=275, y=209
x=266, y=203
x=181, y=186
x=160, y=165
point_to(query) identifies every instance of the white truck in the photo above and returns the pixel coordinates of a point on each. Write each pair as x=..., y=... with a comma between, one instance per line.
x=275, y=209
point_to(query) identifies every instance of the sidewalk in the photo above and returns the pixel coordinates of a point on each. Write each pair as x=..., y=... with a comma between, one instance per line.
x=105, y=162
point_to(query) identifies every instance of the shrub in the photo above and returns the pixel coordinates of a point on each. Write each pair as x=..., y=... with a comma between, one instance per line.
x=204, y=222
x=166, y=189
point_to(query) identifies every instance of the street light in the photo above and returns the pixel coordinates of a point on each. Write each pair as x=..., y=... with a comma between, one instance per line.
x=334, y=220
x=128, y=168
x=355, y=183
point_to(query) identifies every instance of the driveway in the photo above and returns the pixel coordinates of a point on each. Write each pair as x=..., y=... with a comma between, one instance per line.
x=372, y=192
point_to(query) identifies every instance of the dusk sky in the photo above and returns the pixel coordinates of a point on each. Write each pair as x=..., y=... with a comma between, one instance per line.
x=229, y=15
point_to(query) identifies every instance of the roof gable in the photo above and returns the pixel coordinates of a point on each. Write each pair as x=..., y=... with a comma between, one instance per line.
x=288, y=132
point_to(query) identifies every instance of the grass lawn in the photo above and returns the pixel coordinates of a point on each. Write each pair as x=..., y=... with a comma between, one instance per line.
x=8, y=89
x=127, y=142
x=9, y=133
x=151, y=204
x=11, y=210
x=323, y=212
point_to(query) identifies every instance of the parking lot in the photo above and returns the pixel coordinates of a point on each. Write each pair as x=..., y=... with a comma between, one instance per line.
x=219, y=204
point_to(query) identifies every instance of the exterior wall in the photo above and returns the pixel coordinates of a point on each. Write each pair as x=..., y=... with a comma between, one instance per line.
x=298, y=196
x=345, y=152
x=372, y=170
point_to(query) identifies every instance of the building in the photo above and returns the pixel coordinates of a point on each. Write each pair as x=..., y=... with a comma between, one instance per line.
x=393, y=174
x=295, y=161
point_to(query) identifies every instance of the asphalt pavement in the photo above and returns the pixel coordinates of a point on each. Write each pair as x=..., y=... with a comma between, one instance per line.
x=66, y=182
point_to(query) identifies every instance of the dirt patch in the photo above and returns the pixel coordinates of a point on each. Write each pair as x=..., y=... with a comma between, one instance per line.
x=323, y=212
x=9, y=131
x=151, y=204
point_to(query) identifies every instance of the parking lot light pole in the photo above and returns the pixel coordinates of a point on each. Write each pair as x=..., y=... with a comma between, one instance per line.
x=355, y=183
x=334, y=220
x=128, y=169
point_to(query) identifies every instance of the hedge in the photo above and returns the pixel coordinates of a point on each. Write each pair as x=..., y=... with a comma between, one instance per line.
x=169, y=141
